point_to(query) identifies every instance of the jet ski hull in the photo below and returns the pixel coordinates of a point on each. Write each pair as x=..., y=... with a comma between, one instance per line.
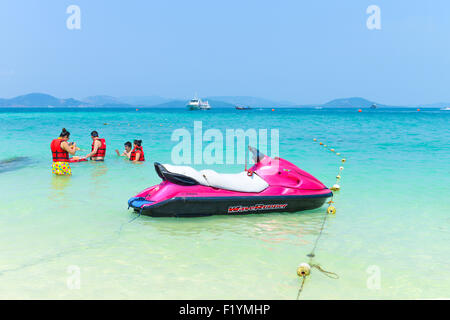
x=240, y=205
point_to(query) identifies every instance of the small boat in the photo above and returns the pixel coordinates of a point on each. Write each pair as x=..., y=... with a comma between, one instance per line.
x=242, y=107
x=198, y=104
x=446, y=109
x=271, y=185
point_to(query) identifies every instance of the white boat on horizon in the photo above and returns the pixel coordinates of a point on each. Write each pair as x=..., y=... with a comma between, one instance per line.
x=446, y=109
x=198, y=104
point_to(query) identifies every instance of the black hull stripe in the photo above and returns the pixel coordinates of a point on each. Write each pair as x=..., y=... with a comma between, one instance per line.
x=206, y=206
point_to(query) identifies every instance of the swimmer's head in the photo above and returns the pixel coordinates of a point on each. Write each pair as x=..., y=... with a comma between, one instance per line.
x=94, y=134
x=137, y=142
x=64, y=134
x=127, y=146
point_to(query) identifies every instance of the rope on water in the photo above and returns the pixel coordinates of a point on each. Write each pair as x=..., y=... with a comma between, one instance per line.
x=304, y=270
x=312, y=253
x=125, y=223
x=329, y=274
x=301, y=287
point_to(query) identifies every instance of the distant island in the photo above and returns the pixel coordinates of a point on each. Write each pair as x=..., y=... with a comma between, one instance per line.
x=99, y=101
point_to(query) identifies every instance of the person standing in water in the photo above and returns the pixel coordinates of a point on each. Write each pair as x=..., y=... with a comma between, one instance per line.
x=126, y=152
x=98, y=150
x=137, y=154
x=60, y=153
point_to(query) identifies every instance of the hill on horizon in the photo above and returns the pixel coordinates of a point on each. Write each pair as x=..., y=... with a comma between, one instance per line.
x=45, y=100
x=353, y=102
x=40, y=100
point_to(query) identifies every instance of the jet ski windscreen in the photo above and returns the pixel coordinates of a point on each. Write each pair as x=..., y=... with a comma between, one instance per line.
x=257, y=155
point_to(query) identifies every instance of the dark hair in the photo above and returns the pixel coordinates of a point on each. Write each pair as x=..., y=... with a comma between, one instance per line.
x=64, y=133
x=137, y=142
x=128, y=144
x=94, y=134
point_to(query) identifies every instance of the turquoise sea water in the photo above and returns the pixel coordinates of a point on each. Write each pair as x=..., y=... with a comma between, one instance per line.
x=392, y=212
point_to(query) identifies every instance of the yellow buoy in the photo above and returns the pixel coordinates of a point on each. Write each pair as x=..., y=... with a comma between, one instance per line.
x=335, y=187
x=338, y=153
x=331, y=210
x=343, y=160
x=338, y=177
x=303, y=270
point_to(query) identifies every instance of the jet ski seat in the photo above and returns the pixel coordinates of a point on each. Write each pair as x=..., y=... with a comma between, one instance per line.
x=185, y=175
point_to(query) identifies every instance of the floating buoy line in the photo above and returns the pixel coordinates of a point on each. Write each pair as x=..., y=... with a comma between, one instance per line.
x=305, y=268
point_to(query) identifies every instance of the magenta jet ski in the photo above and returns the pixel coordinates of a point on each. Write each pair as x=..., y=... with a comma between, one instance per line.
x=270, y=185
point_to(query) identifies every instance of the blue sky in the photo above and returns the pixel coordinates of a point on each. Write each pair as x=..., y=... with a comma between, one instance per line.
x=302, y=51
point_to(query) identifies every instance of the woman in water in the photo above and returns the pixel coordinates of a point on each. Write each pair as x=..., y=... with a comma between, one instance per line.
x=60, y=153
x=137, y=154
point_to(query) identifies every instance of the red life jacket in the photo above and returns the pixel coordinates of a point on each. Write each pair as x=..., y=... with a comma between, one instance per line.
x=100, y=151
x=136, y=150
x=58, y=153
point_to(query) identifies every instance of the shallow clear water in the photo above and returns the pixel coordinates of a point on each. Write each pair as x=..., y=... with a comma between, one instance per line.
x=392, y=211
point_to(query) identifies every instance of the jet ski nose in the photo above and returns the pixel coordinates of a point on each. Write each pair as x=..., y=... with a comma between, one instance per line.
x=138, y=202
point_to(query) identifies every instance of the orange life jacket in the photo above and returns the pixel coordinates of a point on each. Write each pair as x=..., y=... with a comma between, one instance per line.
x=58, y=153
x=137, y=150
x=100, y=151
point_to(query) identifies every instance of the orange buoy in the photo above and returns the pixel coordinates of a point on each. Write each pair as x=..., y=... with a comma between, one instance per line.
x=273, y=109
x=321, y=143
x=418, y=109
x=359, y=110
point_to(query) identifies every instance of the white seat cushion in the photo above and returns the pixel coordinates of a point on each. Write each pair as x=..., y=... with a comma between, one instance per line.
x=240, y=182
x=236, y=181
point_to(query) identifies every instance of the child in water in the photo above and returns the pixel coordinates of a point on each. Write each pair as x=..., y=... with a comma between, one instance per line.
x=126, y=152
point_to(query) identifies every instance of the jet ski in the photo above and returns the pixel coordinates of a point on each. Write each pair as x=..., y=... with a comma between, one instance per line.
x=270, y=185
